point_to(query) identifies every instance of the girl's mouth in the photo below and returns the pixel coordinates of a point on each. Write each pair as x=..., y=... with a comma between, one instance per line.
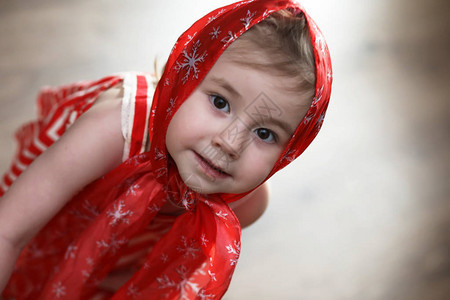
x=210, y=169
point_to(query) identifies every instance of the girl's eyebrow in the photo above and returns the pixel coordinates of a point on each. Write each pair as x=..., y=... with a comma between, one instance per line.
x=227, y=86
x=282, y=124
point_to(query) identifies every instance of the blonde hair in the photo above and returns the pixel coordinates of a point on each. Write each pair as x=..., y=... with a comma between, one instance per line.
x=281, y=45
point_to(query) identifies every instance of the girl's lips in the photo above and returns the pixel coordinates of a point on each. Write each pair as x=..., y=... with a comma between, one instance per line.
x=210, y=169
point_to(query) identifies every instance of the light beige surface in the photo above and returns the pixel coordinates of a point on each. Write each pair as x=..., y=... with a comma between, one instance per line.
x=365, y=212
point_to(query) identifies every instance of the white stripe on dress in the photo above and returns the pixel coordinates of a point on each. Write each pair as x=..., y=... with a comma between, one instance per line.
x=28, y=154
x=41, y=146
x=150, y=93
x=129, y=94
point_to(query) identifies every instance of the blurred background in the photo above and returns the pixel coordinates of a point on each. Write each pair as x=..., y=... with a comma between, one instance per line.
x=364, y=213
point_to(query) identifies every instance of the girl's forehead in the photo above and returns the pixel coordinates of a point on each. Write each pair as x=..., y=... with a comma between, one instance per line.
x=230, y=71
x=244, y=54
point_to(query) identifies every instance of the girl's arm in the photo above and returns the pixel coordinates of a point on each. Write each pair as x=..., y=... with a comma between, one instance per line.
x=251, y=207
x=91, y=147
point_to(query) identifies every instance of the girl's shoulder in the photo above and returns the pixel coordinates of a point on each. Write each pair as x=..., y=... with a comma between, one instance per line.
x=132, y=96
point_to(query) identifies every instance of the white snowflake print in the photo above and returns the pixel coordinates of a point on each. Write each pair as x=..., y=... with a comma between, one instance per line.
x=135, y=160
x=70, y=252
x=114, y=244
x=190, y=62
x=55, y=270
x=187, y=286
x=89, y=261
x=320, y=42
x=267, y=12
x=164, y=257
x=170, y=108
x=159, y=154
x=210, y=19
x=190, y=38
x=212, y=275
x=154, y=208
x=201, y=294
x=167, y=82
x=132, y=161
x=119, y=214
x=132, y=189
x=236, y=251
x=186, y=283
x=307, y=119
x=215, y=33
x=207, y=203
x=161, y=172
x=228, y=39
x=318, y=96
x=203, y=240
x=90, y=211
x=188, y=248
x=133, y=291
x=288, y=156
x=221, y=214
x=59, y=290
x=188, y=201
x=242, y=3
x=36, y=252
x=174, y=47
x=165, y=282
x=247, y=19
x=320, y=121
x=86, y=274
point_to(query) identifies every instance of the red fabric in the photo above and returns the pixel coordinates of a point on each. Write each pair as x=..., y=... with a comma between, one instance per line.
x=197, y=257
x=140, y=114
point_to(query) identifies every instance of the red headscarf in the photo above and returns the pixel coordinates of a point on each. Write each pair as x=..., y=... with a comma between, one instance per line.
x=197, y=257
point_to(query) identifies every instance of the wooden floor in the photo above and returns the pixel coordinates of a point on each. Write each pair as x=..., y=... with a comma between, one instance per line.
x=365, y=212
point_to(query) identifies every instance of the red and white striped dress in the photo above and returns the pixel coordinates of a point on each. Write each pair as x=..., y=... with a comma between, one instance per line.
x=59, y=107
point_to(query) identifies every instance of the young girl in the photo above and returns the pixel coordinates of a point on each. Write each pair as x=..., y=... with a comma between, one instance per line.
x=122, y=200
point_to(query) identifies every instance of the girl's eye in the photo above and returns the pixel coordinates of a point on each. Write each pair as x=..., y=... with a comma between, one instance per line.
x=220, y=103
x=266, y=135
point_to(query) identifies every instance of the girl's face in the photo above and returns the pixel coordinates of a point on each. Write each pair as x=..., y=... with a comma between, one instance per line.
x=227, y=136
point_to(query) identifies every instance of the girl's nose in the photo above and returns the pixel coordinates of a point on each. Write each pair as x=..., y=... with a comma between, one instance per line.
x=225, y=148
x=233, y=139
